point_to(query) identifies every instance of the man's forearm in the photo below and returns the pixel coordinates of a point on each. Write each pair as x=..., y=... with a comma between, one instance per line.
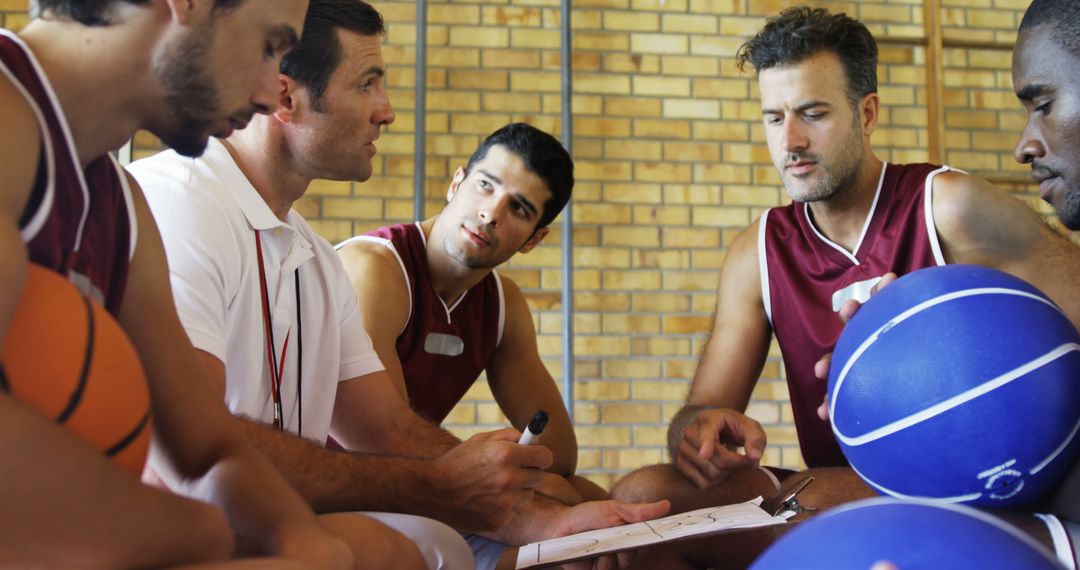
x=333, y=481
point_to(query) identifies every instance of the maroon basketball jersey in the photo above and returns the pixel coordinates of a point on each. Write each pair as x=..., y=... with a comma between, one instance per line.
x=442, y=349
x=805, y=277
x=77, y=222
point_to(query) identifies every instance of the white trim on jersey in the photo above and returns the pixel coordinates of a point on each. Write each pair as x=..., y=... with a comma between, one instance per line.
x=502, y=308
x=763, y=265
x=129, y=202
x=67, y=135
x=928, y=213
x=37, y=221
x=404, y=274
x=866, y=224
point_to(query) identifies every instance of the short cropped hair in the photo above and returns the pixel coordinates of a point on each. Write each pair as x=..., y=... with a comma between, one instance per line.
x=799, y=33
x=542, y=154
x=96, y=12
x=1063, y=17
x=317, y=56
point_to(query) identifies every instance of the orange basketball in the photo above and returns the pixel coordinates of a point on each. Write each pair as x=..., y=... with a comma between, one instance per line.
x=65, y=356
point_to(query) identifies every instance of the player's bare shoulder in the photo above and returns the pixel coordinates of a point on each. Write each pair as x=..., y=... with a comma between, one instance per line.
x=20, y=148
x=370, y=257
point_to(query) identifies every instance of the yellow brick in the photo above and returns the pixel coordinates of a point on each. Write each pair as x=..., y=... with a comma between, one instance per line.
x=691, y=194
x=632, y=63
x=887, y=13
x=634, y=280
x=661, y=303
x=725, y=7
x=453, y=101
x=691, y=152
x=659, y=5
x=993, y=100
x=602, y=257
x=694, y=23
x=993, y=19
x=479, y=36
x=970, y=78
x=633, y=193
x=721, y=216
x=533, y=38
x=607, y=170
x=631, y=21
x=707, y=259
x=511, y=16
x=615, y=324
x=587, y=213
x=692, y=281
x=607, y=302
x=582, y=19
x=491, y=414
x=738, y=89
x=717, y=45
x=971, y=119
x=663, y=86
x=662, y=346
x=632, y=106
x=329, y=188
x=485, y=80
x=631, y=236
x=453, y=14
x=633, y=367
x=664, y=215
x=511, y=58
x=746, y=154
x=663, y=172
x=661, y=259
x=602, y=390
x=660, y=390
x=680, y=368
x=333, y=231
x=691, y=65
x=978, y=161
x=542, y=81
x=602, y=41
x=751, y=196
x=687, y=324
x=463, y=413
x=658, y=43
x=516, y=102
x=453, y=56
x=722, y=173
x=603, y=436
x=632, y=149
x=601, y=127
x=662, y=128
x=691, y=109
x=650, y=435
x=626, y=413
x=363, y=208
x=608, y=84
x=692, y=237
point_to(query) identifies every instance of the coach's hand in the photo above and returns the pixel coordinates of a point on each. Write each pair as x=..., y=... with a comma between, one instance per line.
x=480, y=483
x=847, y=310
x=707, y=452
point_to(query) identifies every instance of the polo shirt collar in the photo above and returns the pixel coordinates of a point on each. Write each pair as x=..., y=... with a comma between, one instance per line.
x=258, y=214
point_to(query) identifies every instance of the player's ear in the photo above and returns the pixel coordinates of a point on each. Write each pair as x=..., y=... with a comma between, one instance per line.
x=459, y=176
x=290, y=94
x=537, y=237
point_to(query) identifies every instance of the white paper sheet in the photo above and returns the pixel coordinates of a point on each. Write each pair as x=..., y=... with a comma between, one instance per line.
x=672, y=527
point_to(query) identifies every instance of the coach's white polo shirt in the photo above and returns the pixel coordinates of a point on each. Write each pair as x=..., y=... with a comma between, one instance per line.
x=208, y=214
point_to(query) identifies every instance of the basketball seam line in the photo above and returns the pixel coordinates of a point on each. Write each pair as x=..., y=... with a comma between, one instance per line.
x=76, y=396
x=120, y=445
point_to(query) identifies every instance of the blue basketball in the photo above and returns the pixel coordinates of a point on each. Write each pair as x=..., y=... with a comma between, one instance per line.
x=911, y=535
x=958, y=383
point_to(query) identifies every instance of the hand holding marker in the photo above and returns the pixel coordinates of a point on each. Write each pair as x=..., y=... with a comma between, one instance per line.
x=535, y=428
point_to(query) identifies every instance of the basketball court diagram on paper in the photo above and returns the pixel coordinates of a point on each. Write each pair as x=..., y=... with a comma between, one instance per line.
x=673, y=527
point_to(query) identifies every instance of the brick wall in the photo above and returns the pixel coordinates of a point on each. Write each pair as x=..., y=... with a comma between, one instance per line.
x=671, y=165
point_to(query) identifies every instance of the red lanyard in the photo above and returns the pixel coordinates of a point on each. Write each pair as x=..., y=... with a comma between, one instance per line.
x=277, y=370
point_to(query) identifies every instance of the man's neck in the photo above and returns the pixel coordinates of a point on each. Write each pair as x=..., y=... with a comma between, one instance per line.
x=260, y=153
x=100, y=78
x=842, y=217
x=449, y=279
